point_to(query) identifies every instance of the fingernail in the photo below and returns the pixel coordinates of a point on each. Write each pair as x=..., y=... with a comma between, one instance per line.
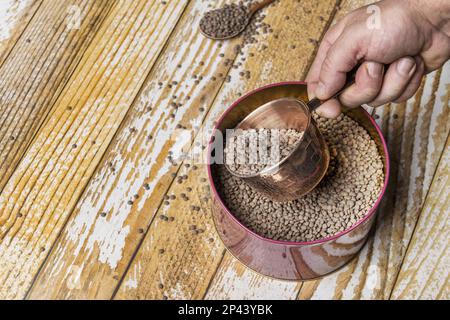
x=320, y=90
x=374, y=69
x=405, y=66
x=310, y=91
x=326, y=112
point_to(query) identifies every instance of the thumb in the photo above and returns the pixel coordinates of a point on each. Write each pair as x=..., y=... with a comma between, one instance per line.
x=341, y=58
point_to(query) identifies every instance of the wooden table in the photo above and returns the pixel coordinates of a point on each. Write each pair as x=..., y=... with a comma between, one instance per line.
x=86, y=129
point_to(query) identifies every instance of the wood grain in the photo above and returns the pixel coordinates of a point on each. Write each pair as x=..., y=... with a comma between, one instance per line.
x=36, y=71
x=415, y=131
x=98, y=247
x=424, y=273
x=369, y=276
x=87, y=132
x=188, y=259
x=14, y=18
x=40, y=195
x=232, y=279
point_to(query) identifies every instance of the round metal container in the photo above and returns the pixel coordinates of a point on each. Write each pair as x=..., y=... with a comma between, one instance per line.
x=282, y=259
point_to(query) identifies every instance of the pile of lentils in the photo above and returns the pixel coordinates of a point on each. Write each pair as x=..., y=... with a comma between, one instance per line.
x=350, y=188
x=250, y=151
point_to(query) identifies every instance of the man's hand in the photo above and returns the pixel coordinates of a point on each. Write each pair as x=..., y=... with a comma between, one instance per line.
x=412, y=37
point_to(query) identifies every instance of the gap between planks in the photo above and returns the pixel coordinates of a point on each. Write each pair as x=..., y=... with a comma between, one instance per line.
x=122, y=122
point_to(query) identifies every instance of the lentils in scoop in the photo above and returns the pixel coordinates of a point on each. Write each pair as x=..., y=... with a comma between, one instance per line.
x=225, y=22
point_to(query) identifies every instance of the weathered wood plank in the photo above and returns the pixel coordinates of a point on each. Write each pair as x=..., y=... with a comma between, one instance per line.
x=90, y=265
x=42, y=192
x=36, y=71
x=432, y=125
x=217, y=287
x=234, y=281
x=99, y=248
x=232, y=278
x=14, y=18
x=424, y=273
x=416, y=132
x=189, y=260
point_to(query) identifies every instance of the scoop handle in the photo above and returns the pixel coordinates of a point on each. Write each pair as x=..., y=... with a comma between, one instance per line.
x=259, y=5
x=351, y=75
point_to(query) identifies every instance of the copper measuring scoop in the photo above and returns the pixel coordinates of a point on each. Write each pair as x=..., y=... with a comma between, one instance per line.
x=251, y=12
x=306, y=165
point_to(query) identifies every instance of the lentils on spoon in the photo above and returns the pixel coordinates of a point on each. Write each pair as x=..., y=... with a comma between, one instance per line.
x=225, y=22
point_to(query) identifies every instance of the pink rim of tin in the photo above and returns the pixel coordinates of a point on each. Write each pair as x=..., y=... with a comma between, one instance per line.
x=369, y=214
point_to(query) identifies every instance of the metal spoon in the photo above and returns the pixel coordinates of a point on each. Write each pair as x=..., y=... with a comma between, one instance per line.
x=252, y=10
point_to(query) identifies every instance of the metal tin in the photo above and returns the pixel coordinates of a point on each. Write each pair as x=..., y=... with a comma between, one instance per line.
x=282, y=259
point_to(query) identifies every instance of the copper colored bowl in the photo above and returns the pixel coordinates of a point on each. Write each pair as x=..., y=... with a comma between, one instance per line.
x=283, y=259
x=305, y=166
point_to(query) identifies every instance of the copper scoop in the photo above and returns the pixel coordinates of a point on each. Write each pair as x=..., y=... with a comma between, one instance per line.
x=300, y=171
